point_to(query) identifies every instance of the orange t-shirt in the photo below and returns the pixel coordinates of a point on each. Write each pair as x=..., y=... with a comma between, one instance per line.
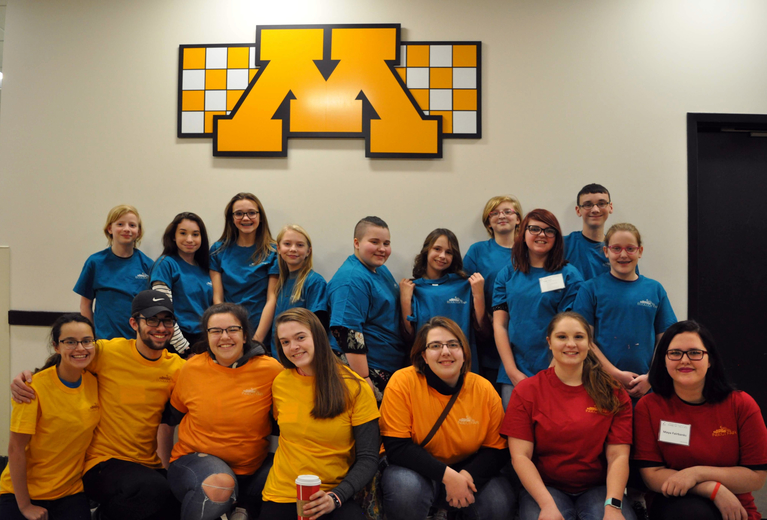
x=227, y=410
x=411, y=407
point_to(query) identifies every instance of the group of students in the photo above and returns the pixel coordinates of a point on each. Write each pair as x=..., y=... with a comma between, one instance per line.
x=567, y=379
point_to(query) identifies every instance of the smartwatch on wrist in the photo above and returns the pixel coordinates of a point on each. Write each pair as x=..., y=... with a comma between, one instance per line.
x=614, y=502
x=336, y=501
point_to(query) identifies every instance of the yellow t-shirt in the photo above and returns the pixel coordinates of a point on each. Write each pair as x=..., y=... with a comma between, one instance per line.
x=227, y=410
x=411, y=407
x=309, y=446
x=61, y=421
x=132, y=391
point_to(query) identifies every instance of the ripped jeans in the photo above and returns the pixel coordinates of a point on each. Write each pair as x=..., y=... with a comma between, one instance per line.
x=186, y=475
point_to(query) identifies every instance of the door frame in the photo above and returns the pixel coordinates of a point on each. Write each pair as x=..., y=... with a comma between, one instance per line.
x=697, y=122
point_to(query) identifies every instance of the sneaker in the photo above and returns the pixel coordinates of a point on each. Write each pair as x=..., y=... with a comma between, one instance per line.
x=239, y=514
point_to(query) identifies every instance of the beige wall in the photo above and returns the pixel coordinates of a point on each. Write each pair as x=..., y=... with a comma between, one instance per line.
x=573, y=92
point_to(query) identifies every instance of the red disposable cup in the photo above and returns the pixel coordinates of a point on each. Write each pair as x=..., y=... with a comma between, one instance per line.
x=306, y=486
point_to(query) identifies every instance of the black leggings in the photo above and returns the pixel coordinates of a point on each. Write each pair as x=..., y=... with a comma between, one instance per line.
x=130, y=491
x=72, y=507
x=690, y=507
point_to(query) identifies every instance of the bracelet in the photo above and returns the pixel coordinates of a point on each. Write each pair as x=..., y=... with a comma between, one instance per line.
x=716, y=490
x=335, y=499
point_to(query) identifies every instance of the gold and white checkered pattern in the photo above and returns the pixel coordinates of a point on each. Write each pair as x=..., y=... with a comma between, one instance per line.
x=443, y=77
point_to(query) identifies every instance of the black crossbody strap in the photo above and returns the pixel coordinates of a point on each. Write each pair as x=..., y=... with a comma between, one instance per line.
x=441, y=419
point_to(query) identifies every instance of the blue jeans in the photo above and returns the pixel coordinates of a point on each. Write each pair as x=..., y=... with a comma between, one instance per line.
x=186, y=475
x=506, y=390
x=589, y=505
x=408, y=495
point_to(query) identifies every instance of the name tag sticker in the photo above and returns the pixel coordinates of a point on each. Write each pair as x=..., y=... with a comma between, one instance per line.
x=552, y=283
x=674, y=433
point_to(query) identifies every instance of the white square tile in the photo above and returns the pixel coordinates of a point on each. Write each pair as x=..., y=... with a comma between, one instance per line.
x=215, y=58
x=402, y=55
x=192, y=122
x=215, y=100
x=237, y=79
x=252, y=58
x=464, y=77
x=440, y=56
x=417, y=77
x=440, y=99
x=193, y=80
x=464, y=122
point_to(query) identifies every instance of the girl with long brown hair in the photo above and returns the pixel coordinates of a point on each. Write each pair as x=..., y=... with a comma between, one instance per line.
x=440, y=287
x=569, y=431
x=243, y=263
x=328, y=422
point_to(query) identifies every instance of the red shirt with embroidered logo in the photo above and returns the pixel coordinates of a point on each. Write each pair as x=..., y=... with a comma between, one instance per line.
x=725, y=434
x=568, y=432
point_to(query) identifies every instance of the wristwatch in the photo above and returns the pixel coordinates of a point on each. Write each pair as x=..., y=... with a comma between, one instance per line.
x=614, y=502
x=337, y=502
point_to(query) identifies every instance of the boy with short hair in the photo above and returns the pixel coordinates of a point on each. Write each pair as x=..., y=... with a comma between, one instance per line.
x=364, y=307
x=583, y=248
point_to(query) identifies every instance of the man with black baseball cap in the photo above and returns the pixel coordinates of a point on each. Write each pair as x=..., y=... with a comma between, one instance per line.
x=123, y=471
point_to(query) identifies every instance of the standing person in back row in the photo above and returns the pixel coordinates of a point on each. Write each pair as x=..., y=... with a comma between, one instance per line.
x=364, y=307
x=115, y=275
x=501, y=218
x=123, y=467
x=583, y=248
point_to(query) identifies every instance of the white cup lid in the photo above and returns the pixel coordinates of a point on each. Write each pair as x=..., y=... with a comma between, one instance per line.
x=308, y=480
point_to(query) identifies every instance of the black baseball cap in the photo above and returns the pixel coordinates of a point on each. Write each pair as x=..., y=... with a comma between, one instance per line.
x=151, y=303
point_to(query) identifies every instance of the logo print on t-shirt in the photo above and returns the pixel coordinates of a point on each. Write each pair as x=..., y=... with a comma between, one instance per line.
x=467, y=420
x=592, y=409
x=142, y=276
x=456, y=299
x=722, y=431
x=647, y=303
x=166, y=379
x=251, y=391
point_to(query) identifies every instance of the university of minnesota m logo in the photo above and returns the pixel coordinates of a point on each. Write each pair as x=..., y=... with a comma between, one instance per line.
x=358, y=81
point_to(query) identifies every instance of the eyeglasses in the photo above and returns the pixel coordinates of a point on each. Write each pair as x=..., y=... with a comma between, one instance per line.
x=155, y=321
x=692, y=355
x=239, y=215
x=537, y=230
x=71, y=344
x=231, y=331
x=630, y=250
x=602, y=204
x=436, y=345
x=507, y=212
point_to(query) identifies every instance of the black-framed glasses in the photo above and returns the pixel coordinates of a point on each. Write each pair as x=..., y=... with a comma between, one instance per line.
x=506, y=212
x=239, y=215
x=537, y=230
x=692, y=354
x=154, y=321
x=231, y=331
x=71, y=344
x=630, y=250
x=602, y=204
x=437, y=345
